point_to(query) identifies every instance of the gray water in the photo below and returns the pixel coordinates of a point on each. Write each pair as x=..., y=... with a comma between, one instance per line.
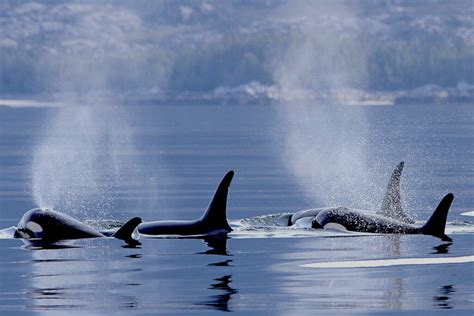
x=166, y=164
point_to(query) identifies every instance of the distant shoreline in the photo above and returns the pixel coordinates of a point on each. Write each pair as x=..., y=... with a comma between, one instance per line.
x=252, y=93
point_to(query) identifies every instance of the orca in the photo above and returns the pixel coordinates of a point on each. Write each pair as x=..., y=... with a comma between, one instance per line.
x=362, y=221
x=46, y=226
x=389, y=219
x=212, y=222
x=391, y=204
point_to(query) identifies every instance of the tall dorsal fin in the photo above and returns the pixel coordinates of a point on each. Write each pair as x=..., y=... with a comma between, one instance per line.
x=392, y=204
x=436, y=224
x=215, y=215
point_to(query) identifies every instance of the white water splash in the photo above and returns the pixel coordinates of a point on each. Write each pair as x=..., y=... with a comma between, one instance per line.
x=326, y=144
x=81, y=159
x=7, y=233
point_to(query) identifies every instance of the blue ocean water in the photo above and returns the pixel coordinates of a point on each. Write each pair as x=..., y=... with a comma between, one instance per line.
x=102, y=163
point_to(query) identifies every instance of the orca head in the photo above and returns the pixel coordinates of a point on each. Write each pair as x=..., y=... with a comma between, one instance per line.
x=32, y=224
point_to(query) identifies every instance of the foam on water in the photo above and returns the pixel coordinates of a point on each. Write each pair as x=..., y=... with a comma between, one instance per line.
x=27, y=103
x=7, y=233
x=459, y=228
x=266, y=226
x=387, y=262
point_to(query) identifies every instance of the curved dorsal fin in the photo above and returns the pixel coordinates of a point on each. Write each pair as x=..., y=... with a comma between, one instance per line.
x=392, y=204
x=436, y=224
x=126, y=232
x=215, y=215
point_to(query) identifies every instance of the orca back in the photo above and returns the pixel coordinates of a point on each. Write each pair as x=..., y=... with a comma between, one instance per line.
x=49, y=226
x=213, y=221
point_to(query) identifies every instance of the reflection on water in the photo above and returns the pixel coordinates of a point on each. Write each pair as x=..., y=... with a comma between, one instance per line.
x=135, y=256
x=395, y=291
x=132, y=244
x=342, y=273
x=225, y=263
x=393, y=245
x=217, y=245
x=99, y=273
x=171, y=274
x=64, y=278
x=220, y=301
x=42, y=246
x=443, y=299
x=442, y=249
x=129, y=302
x=251, y=271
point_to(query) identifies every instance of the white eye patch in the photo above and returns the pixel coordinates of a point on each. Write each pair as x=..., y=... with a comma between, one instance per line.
x=304, y=222
x=34, y=227
x=335, y=226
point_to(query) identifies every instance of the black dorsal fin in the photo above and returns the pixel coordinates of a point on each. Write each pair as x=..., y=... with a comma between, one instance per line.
x=215, y=215
x=437, y=222
x=126, y=232
x=392, y=204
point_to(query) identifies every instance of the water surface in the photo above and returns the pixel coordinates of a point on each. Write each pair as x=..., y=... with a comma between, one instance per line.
x=169, y=168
